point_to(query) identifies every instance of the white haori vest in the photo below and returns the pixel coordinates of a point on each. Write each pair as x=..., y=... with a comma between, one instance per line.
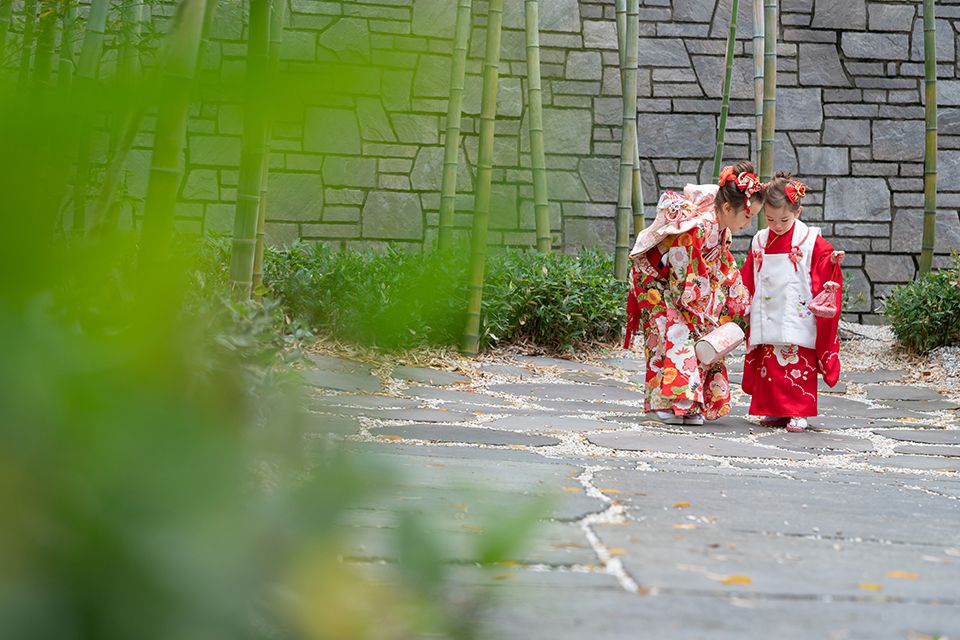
x=782, y=289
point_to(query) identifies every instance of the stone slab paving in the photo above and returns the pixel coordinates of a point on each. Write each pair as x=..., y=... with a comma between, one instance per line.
x=923, y=405
x=342, y=381
x=726, y=530
x=465, y=435
x=900, y=392
x=560, y=363
x=919, y=463
x=456, y=395
x=660, y=442
x=542, y=423
x=564, y=391
x=587, y=377
x=428, y=376
x=923, y=436
x=815, y=442
x=506, y=370
x=947, y=451
x=873, y=377
x=417, y=414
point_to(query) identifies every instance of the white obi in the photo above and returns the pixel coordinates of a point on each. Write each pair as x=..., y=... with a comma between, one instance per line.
x=782, y=289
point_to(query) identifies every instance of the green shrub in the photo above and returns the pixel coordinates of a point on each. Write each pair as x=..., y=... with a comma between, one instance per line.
x=552, y=300
x=399, y=300
x=925, y=314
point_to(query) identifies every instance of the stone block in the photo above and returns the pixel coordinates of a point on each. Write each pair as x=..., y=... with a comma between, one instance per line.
x=799, y=109
x=295, y=196
x=907, y=234
x=392, y=215
x=662, y=52
x=890, y=17
x=349, y=171
x=840, y=14
x=820, y=66
x=901, y=140
x=584, y=65
x=328, y=130
x=348, y=39
x=847, y=132
x=889, y=268
x=857, y=200
x=874, y=46
x=676, y=135
x=824, y=161
x=214, y=150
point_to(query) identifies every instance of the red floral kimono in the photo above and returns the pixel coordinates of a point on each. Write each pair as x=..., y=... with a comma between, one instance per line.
x=783, y=378
x=680, y=290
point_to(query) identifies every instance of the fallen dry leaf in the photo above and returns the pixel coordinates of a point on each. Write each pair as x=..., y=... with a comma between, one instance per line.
x=472, y=527
x=616, y=552
x=681, y=505
x=684, y=526
x=570, y=489
x=390, y=437
x=903, y=575
x=504, y=576
x=437, y=465
x=737, y=580
x=870, y=586
x=606, y=491
x=508, y=563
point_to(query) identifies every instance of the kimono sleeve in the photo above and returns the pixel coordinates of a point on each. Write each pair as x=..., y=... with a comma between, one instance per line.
x=828, y=329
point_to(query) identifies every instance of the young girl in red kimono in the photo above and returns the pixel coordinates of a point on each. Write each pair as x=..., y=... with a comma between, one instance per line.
x=787, y=345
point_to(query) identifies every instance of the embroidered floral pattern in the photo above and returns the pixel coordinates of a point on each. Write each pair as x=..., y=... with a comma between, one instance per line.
x=702, y=286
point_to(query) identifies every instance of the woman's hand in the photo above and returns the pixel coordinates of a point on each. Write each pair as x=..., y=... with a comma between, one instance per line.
x=837, y=257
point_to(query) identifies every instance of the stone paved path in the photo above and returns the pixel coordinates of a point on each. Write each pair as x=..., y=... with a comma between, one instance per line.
x=724, y=531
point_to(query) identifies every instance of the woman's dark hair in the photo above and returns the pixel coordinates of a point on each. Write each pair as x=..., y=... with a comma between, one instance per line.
x=775, y=193
x=731, y=194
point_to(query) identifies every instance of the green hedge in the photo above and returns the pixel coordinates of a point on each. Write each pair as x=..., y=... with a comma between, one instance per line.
x=398, y=300
x=925, y=314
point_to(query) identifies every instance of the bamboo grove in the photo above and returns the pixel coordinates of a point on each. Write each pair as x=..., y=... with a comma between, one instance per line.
x=54, y=51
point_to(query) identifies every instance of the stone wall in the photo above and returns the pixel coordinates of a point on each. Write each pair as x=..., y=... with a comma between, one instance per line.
x=361, y=166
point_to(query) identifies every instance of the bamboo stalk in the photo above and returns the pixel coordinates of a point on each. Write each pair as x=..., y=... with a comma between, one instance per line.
x=636, y=201
x=84, y=85
x=66, y=65
x=727, y=81
x=179, y=69
x=458, y=69
x=930, y=147
x=277, y=16
x=758, y=38
x=769, y=92
x=253, y=155
x=481, y=209
x=29, y=35
x=126, y=126
x=6, y=14
x=47, y=21
x=628, y=138
x=541, y=206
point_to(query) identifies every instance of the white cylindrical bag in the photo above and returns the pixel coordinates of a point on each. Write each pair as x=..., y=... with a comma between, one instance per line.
x=719, y=343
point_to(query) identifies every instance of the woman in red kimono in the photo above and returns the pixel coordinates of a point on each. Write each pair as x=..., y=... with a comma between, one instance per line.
x=788, y=346
x=685, y=283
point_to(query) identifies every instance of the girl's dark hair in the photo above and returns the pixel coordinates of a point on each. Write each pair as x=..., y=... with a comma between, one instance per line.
x=730, y=193
x=775, y=193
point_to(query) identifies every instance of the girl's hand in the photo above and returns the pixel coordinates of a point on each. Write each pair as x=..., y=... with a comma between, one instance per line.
x=837, y=257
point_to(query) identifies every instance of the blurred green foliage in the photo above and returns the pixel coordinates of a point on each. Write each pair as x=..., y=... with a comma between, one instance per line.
x=159, y=478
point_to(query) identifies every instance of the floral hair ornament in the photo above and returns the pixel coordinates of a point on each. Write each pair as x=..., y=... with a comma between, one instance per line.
x=748, y=183
x=795, y=191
